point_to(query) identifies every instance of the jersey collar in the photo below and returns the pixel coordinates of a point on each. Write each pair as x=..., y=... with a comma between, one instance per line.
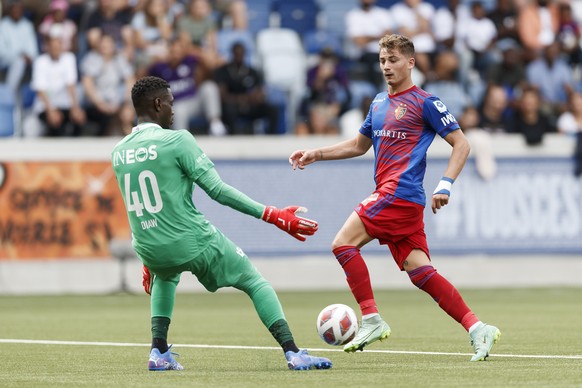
x=141, y=126
x=402, y=92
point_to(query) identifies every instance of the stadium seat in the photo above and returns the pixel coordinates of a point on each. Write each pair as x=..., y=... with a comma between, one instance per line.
x=259, y=14
x=282, y=57
x=283, y=62
x=442, y=3
x=278, y=98
x=436, y=3
x=316, y=40
x=298, y=15
x=226, y=38
x=285, y=71
x=359, y=90
x=333, y=14
x=7, y=105
x=27, y=95
x=273, y=41
x=386, y=3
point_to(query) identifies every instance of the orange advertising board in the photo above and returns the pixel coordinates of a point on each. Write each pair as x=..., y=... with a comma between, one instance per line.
x=59, y=210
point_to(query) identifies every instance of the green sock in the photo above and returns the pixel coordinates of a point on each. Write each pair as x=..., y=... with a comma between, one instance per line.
x=160, y=326
x=282, y=334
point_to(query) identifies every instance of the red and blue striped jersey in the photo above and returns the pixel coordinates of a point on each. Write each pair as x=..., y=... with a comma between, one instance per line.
x=402, y=126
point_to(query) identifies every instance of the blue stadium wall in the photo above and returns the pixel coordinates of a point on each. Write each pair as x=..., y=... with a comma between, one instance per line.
x=516, y=230
x=532, y=206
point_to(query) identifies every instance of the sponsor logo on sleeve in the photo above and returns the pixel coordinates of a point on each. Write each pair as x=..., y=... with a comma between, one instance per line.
x=440, y=106
x=200, y=158
x=448, y=119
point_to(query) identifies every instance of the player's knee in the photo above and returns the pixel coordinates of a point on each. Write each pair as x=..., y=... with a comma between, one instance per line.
x=337, y=243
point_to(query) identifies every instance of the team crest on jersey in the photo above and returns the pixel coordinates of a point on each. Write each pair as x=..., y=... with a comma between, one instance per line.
x=400, y=111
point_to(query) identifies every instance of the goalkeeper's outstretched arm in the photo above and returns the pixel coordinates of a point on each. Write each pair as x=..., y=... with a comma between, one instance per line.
x=227, y=195
x=285, y=219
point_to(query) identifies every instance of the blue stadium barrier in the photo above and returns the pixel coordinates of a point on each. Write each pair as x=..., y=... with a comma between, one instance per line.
x=514, y=213
x=7, y=105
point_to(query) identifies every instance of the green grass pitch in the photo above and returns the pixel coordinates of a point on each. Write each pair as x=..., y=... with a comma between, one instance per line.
x=541, y=342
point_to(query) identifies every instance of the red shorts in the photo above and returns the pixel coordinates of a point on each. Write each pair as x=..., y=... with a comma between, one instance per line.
x=394, y=222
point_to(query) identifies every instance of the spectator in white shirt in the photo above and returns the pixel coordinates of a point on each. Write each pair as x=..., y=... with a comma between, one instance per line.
x=107, y=79
x=365, y=26
x=54, y=78
x=152, y=31
x=18, y=45
x=446, y=22
x=479, y=36
x=413, y=18
x=57, y=19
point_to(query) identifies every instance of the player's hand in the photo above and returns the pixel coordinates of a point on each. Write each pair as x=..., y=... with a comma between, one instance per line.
x=442, y=193
x=438, y=201
x=287, y=220
x=302, y=158
x=147, y=280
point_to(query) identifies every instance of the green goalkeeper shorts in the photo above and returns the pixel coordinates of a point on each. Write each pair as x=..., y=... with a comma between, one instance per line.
x=222, y=264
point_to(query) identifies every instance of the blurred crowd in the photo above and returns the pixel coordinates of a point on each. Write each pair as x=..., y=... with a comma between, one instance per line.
x=500, y=66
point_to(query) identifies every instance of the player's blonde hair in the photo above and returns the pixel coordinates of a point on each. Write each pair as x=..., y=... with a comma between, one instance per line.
x=397, y=42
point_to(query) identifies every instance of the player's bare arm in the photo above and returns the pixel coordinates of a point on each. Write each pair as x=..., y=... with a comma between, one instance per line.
x=459, y=155
x=351, y=148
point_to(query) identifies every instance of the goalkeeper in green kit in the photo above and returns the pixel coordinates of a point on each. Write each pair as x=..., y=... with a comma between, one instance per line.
x=156, y=168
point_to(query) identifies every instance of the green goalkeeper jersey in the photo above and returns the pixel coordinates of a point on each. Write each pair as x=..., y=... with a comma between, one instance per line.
x=156, y=169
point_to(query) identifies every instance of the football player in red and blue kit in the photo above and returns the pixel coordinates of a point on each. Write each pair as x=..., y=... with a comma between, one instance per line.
x=401, y=124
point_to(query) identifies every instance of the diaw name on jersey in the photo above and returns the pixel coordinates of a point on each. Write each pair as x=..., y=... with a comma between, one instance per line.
x=147, y=224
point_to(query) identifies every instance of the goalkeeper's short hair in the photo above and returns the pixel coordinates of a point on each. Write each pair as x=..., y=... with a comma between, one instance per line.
x=146, y=89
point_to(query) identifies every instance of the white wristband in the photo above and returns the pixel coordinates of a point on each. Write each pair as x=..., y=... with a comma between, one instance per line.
x=444, y=187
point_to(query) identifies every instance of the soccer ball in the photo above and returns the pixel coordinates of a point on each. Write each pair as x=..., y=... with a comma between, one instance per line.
x=337, y=324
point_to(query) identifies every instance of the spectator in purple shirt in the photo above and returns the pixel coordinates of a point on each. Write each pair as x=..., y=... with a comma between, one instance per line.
x=328, y=97
x=192, y=96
